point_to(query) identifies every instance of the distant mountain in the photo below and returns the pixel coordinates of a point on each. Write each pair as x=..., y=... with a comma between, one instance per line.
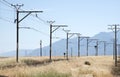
x=59, y=47
x=23, y=52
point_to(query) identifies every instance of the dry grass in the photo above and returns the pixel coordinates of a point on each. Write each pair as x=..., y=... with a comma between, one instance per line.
x=100, y=66
x=116, y=70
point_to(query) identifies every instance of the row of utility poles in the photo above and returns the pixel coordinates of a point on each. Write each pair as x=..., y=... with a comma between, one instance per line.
x=17, y=20
x=68, y=34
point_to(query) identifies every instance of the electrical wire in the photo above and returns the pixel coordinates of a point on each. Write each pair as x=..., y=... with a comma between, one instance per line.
x=40, y=31
x=40, y=19
x=6, y=20
x=9, y=5
x=35, y=25
x=1, y=9
x=32, y=28
x=6, y=3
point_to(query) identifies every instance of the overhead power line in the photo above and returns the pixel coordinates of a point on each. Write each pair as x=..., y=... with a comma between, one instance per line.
x=6, y=3
x=6, y=20
x=41, y=20
x=35, y=30
x=10, y=5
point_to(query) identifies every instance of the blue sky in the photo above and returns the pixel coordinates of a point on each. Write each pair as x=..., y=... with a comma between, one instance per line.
x=87, y=17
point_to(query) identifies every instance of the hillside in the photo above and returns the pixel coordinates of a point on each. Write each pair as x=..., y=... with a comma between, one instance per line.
x=59, y=47
x=91, y=66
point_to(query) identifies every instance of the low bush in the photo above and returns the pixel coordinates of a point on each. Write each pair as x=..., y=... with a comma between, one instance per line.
x=87, y=63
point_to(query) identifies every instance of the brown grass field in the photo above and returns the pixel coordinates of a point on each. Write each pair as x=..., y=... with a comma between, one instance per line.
x=91, y=66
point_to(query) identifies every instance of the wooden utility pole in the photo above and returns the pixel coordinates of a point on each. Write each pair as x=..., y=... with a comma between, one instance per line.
x=67, y=31
x=115, y=28
x=41, y=48
x=96, y=47
x=51, y=31
x=88, y=41
x=17, y=7
x=78, y=45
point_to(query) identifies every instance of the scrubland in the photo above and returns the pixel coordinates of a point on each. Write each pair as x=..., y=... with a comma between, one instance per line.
x=91, y=66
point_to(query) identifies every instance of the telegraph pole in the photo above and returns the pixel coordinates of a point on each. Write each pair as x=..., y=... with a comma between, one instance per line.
x=115, y=46
x=112, y=47
x=104, y=47
x=41, y=48
x=17, y=7
x=68, y=37
x=96, y=47
x=67, y=47
x=88, y=41
x=67, y=31
x=78, y=45
x=115, y=29
x=51, y=31
x=71, y=52
x=87, y=46
x=51, y=22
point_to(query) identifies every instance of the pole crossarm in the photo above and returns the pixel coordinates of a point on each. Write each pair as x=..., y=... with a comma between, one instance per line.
x=67, y=31
x=112, y=27
x=99, y=42
x=24, y=17
x=17, y=6
x=83, y=38
x=78, y=34
x=109, y=43
x=90, y=40
x=56, y=29
x=72, y=34
x=25, y=27
x=29, y=12
x=58, y=26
